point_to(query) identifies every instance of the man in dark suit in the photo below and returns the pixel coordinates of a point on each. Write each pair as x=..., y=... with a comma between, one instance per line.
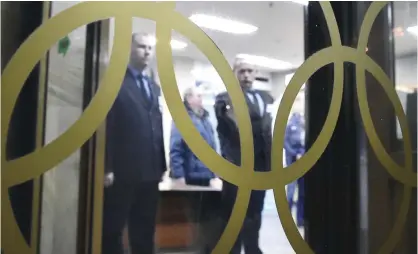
x=258, y=102
x=135, y=158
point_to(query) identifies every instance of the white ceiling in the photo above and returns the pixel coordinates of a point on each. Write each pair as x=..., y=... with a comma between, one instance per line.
x=270, y=18
x=405, y=15
x=280, y=34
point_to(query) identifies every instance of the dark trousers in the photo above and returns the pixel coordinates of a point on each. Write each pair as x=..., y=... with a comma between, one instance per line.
x=291, y=188
x=248, y=237
x=135, y=206
x=300, y=221
x=203, y=214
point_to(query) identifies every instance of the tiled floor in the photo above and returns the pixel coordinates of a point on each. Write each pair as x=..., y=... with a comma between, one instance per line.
x=272, y=237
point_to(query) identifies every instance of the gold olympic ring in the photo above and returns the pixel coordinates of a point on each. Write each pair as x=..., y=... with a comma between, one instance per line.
x=243, y=176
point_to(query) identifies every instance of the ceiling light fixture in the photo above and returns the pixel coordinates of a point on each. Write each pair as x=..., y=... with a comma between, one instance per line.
x=413, y=30
x=301, y=2
x=175, y=44
x=266, y=62
x=398, y=31
x=222, y=24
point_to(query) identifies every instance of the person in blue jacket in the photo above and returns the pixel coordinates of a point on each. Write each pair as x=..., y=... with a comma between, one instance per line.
x=294, y=149
x=185, y=166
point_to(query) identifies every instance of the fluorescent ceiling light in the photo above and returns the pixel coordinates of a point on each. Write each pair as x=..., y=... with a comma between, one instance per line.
x=413, y=30
x=265, y=62
x=405, y=88
x=175, y=44
x=222, y=24
x=301, y=2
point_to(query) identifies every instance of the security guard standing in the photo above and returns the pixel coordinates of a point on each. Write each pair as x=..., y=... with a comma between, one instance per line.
x=227, y=128
x=135, y=158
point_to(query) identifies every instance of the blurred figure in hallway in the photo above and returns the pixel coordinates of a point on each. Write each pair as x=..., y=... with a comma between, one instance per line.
x=294, y=149
x=257, y=102
x=185, y=166
x=135, y=158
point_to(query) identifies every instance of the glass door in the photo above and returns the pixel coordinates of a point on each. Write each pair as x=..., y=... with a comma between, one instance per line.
x=208, y=127
x=48, y=179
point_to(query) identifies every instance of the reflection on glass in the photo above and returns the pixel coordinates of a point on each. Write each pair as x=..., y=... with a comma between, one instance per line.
x=406, y=83
x=63, y=107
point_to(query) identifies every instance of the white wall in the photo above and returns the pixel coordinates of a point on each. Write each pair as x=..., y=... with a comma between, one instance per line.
x=406, y=72
x=405, y=80
x=278, y=84
x=64, y=107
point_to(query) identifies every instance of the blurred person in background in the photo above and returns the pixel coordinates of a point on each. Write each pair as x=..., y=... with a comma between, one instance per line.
x=258, y=101
x=187, y=169
x=185, y=166
x=294, y=149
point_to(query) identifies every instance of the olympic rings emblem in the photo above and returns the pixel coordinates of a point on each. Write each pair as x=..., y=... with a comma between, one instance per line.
x=41, y=160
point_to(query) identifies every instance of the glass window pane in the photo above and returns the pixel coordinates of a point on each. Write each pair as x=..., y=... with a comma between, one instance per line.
x=64, y=106
x=194, y=202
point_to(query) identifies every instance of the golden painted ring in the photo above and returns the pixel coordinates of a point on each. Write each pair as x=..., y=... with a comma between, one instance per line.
x=183, y=121
x=322, y=57
x=17, y=171
x=397, y=172
x=15, y=73
x=222, y=167
x=407, y=177
x=13, y=79
x=241, y=176
x=315, y=62
x=50, y=155
x=363, y=62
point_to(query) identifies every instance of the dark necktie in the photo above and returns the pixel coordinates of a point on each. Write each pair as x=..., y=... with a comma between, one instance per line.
x=255, y=102
x=145, y=93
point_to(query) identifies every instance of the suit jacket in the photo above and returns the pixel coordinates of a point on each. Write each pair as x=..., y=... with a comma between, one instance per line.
x=230, y=147
x=261, y=125
x=134, y=144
